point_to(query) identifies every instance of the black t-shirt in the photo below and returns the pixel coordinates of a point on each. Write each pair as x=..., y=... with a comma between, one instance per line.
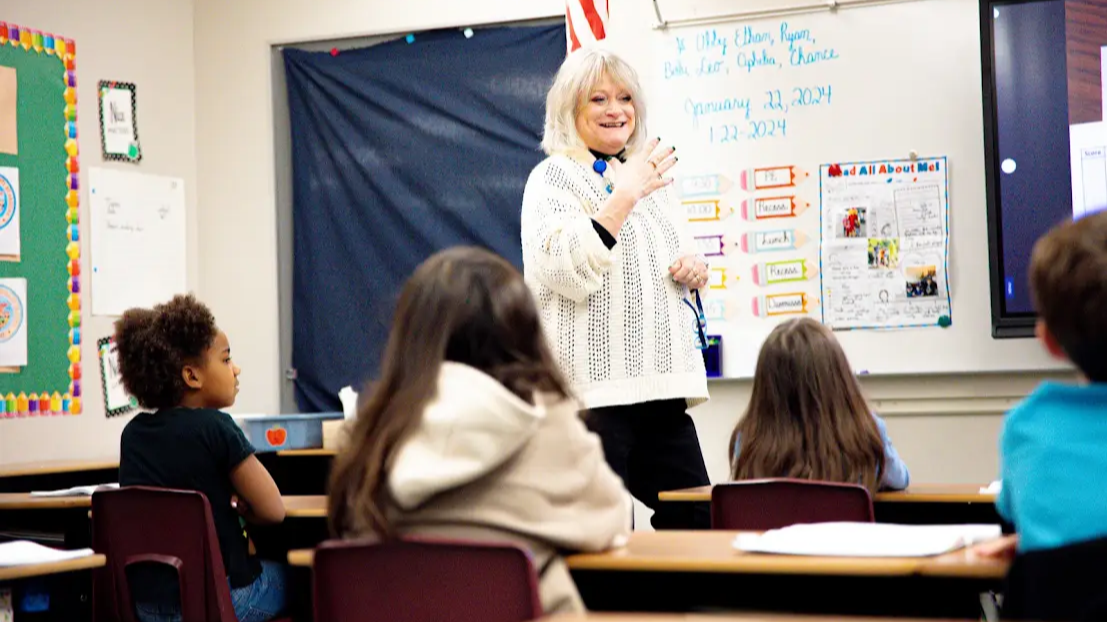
x=193, y=449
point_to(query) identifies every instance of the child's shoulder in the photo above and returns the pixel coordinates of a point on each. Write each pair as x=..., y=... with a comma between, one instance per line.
x=1054, y=404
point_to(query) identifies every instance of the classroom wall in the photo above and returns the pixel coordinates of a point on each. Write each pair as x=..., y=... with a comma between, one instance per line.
x=211, y=120
x=944, y=426
x=156, y=53
x=235, y=148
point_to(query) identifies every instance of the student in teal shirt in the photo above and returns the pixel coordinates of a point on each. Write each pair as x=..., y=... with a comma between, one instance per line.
x=1053, y=446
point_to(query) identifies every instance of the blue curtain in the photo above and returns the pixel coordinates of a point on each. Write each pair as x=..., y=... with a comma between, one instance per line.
x=400, y=150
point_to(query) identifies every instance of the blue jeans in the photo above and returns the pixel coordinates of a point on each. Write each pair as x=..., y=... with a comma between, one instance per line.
x=263, y=600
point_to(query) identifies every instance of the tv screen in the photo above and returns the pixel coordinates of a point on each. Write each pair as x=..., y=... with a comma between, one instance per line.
x=1044, y=65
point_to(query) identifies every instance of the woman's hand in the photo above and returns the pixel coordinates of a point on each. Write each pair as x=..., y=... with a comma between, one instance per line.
x=690, y=271
x=644, y=172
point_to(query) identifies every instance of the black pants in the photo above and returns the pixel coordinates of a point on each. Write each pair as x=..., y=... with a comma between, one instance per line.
x=653, y=447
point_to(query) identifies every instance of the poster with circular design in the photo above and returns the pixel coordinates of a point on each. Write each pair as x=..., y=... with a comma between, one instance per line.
x=9, y=213
x=13, y=322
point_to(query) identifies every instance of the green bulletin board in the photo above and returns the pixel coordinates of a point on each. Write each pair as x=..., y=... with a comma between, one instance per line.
x=49, y=258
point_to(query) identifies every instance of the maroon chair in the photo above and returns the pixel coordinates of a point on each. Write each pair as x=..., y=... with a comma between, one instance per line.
x=144, y=525
x=423, y=580
x=778, y=502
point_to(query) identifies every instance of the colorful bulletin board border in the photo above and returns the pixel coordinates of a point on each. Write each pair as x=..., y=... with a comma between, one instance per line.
x=134, y=151
x=51, y=401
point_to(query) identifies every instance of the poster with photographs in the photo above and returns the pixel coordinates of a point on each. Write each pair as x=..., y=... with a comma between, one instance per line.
x=884, y=244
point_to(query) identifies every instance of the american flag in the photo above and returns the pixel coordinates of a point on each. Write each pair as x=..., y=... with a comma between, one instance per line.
x=585, y=22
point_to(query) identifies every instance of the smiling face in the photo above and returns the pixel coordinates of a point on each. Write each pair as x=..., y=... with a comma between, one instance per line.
x=605, y=119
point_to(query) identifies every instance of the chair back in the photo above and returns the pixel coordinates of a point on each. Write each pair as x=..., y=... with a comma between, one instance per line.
x=778, y=502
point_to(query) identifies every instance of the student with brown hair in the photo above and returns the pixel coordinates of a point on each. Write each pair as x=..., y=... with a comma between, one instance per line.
x=470, y=431
x=807, y=417
x=1053, y=446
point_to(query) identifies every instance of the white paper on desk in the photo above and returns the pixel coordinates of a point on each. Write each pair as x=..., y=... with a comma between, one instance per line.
x=994, y=487
x=86, y=490
x=867, y=540
x=28, y=553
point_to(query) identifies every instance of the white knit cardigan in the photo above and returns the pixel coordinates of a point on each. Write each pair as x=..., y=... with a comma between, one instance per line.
x=615, y=318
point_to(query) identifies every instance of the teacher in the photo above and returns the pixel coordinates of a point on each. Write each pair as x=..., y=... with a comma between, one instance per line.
x=607, y=254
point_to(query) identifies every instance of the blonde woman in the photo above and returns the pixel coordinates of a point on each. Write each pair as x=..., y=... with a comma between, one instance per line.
x=612, y=268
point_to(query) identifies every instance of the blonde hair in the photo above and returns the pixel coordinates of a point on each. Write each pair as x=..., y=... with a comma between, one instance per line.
x=578, y=76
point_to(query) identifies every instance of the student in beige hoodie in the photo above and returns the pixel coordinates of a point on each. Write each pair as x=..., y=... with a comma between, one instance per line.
x=470, y=431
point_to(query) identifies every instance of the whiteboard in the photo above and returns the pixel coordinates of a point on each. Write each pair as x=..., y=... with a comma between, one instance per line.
x=869, y=83
x=138, y=239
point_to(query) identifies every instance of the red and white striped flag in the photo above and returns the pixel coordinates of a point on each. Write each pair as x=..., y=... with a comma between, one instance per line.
x=585, y=22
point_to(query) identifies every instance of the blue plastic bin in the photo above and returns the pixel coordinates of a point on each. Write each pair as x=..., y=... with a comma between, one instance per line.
x=296, y=431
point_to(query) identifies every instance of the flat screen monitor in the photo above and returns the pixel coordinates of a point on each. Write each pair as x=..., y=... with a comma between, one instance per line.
x=1045, y=124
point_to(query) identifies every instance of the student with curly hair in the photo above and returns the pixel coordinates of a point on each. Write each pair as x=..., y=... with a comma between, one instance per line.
x=177, y=363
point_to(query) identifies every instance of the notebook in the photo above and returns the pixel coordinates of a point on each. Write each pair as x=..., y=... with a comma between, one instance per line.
x=30, y=553
x=75, y=491
x=868, y=540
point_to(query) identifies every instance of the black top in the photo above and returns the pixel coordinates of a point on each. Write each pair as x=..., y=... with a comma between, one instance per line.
x=601, y=231
x=193, y=449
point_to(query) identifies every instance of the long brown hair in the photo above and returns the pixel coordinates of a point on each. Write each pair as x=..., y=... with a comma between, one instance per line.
x=464, y=305
x=807, y=417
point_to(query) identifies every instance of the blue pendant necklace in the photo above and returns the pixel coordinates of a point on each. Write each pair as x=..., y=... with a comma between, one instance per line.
x=600, y=166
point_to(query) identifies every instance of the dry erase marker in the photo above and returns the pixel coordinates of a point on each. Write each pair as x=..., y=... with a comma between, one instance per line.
x=772, y=177
x=773, y=207
x=783, y=271
x=768, y=305
x=772, y=240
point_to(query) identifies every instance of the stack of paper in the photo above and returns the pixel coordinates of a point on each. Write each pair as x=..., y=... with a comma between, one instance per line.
x=74, y=491
x=29, y=553
x=994, y=487
x=866, y=539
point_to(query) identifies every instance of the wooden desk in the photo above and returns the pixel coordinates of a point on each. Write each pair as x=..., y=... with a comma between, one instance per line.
x=301, y=557
x=620, y=617
x=300, y=506
x=677, y=571
x=29, y=571
x=924, y=493
x=39, y=468
x=711, y=552
x=305, y=506
x=307, y=452
x=26, y=501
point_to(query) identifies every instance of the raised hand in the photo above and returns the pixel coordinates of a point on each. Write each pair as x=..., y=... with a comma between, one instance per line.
x=644, y=172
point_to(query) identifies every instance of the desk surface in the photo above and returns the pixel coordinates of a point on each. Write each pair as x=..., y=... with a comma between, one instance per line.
x=29, y=571
x=308, y=452
x=38, y=468
x=711, y=552
x=295, y=505
x=959, y=493
x=719, y=616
